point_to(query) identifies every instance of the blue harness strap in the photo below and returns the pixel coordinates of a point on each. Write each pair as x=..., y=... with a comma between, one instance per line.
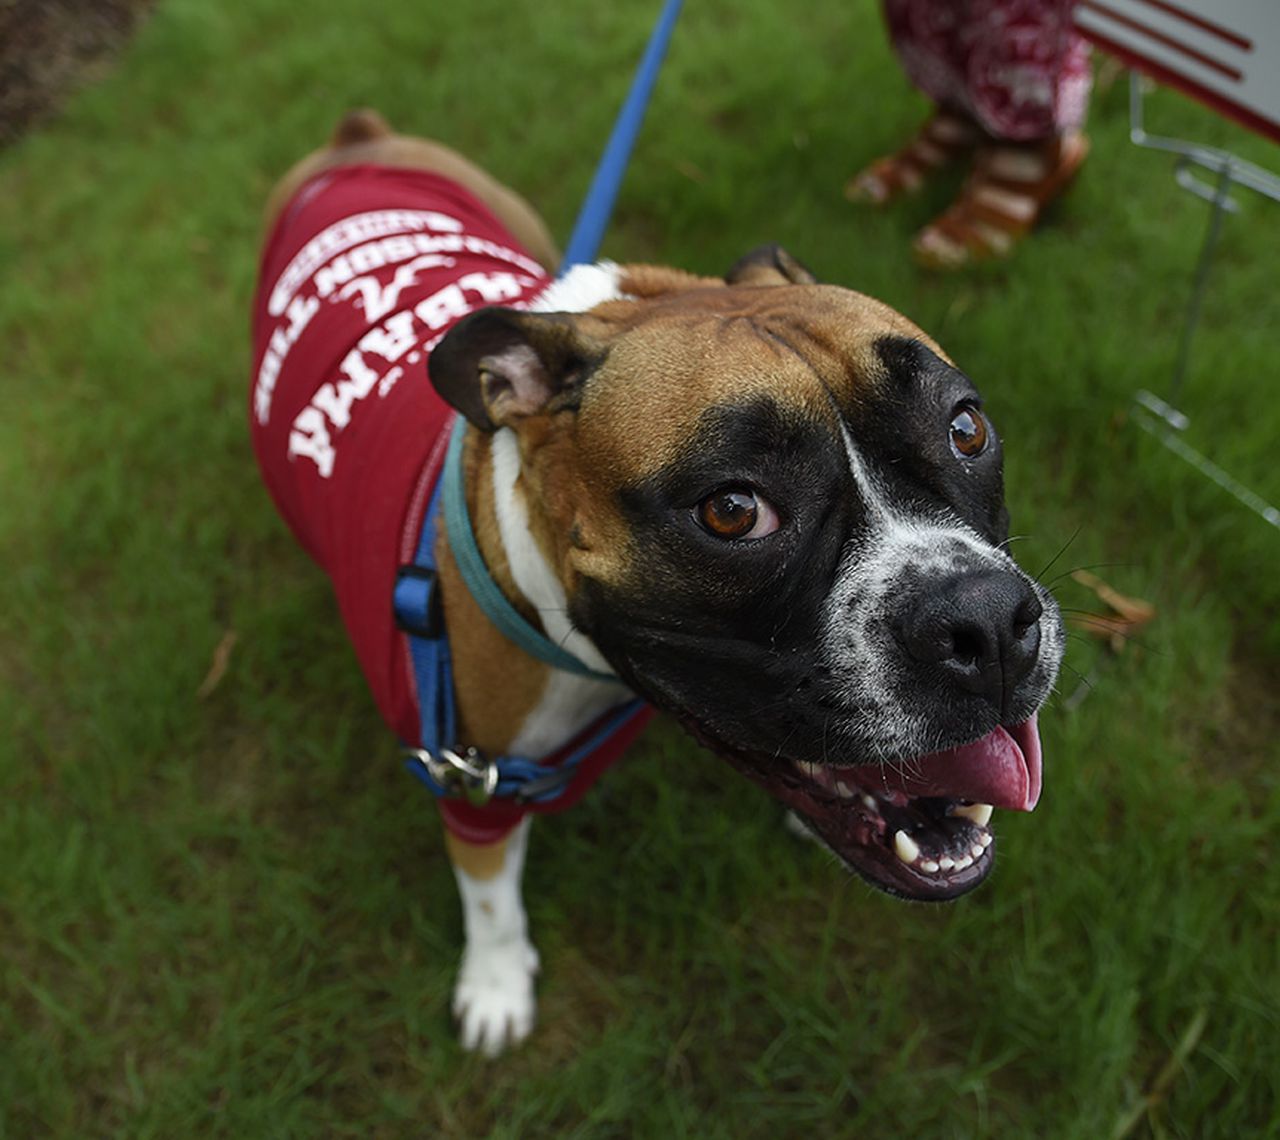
x=416, y=601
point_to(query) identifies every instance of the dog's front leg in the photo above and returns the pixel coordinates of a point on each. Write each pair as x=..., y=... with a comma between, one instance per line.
x=493, y=999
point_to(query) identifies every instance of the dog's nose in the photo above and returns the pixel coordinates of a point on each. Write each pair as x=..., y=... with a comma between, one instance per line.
x=980, y=628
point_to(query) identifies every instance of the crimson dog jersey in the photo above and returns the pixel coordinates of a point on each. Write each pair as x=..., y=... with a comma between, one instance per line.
x=365, y=271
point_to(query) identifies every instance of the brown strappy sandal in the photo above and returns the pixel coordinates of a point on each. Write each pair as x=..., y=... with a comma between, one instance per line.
x=1001, y=202
x=944, y=140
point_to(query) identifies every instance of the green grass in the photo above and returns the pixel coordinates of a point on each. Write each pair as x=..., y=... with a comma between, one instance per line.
x=233, y=917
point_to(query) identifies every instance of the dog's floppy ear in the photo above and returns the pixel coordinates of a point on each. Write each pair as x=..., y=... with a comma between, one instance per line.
x=769, y=265
x=497, y=366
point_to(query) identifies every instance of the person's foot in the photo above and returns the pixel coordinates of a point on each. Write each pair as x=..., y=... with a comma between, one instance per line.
x=943, y=141
x=1003, y=199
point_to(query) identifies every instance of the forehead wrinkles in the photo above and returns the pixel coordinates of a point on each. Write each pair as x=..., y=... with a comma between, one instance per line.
x=825, y=322
x=643, y=405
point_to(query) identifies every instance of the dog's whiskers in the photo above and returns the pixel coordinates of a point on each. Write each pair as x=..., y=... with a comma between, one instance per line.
x=1086, y=566
x=1060, y=553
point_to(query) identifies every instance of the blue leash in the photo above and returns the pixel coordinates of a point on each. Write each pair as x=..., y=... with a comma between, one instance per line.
x=597, y=207
x=465, y=773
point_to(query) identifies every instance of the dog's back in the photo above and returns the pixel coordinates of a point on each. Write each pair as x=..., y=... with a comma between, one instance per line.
x=365, y=268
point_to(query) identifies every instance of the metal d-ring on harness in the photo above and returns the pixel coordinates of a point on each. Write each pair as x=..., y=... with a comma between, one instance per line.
x=467, y=775
x=444, y=767
x=438, y=762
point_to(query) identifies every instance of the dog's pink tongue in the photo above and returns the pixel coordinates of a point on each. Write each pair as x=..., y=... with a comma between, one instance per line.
x=1002, y=769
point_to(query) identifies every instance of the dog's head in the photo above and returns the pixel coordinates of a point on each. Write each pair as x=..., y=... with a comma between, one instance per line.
x=777, y=509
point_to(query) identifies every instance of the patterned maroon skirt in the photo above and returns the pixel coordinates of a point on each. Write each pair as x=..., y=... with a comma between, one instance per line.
x=1016, y=67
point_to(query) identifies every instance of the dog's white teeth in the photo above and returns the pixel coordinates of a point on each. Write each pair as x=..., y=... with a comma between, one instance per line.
x=844, y=791
x=869, y=802
x=905, y=847
x=807, y=769
x=908, y=851
x=978, y=813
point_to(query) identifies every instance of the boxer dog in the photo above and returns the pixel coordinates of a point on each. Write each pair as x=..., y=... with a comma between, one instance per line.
x=772, y=508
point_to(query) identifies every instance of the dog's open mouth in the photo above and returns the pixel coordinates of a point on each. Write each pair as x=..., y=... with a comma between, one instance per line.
x=919, y=828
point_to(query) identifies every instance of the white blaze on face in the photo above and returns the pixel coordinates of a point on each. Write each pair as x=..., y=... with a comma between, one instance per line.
x=859, y=646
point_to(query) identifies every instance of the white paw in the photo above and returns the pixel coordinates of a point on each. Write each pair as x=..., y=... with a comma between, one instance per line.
x=493, y=1000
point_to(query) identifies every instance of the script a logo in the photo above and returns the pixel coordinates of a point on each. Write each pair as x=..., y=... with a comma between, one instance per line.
x=378, y=300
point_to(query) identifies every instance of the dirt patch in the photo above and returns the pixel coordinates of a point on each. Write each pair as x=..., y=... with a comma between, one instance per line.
x=49, y=48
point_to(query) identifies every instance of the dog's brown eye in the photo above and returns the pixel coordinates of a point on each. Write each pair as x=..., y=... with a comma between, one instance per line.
x=737, y=512
x=968, y=432
x=730, y=513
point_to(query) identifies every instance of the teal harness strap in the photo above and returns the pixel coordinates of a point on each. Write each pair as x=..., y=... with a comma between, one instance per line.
x=476, y=575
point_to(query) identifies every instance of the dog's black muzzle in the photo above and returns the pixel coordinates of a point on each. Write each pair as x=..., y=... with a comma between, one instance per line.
x=974, y=632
